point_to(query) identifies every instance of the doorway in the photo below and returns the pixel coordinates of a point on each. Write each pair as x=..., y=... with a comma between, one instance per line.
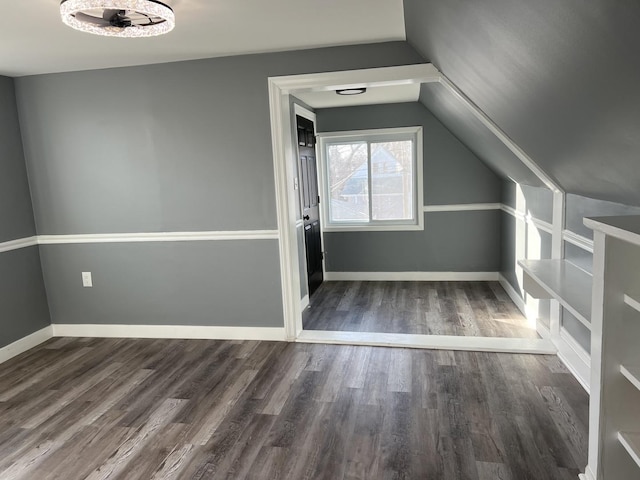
x=286, y=160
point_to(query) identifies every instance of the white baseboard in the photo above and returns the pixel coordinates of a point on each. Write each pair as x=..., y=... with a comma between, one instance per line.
x=170, y=331
x=575, y=358
x=435, y=342
x=513, y=294
x=543, y=331
x=412, y=276
x=304, y=303
x=20, y=346
x=461, y=207
x=587, y=475
x=569, y=351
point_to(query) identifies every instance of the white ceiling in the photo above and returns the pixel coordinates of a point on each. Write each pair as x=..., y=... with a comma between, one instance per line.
x=33, y=39
x=373, y=96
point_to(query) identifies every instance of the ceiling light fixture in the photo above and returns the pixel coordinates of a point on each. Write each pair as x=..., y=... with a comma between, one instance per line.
x=118, y=18
x=351, y=91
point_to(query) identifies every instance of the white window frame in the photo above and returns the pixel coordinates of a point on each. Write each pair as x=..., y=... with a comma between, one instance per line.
x=378, y=134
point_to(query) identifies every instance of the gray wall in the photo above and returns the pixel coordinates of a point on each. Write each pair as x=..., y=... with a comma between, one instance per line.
x=538, y=202
x=23, y=302
x=451, y=241
x=457, y=117
x=16, y=214
x=579, y=207
x=173, y=147
x=170, y=283
x=560, y=78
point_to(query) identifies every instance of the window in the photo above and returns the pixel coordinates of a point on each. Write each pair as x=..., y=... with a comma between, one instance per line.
x=372, y=179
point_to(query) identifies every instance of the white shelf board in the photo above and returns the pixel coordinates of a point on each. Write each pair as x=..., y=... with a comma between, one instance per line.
x=566, y=283
x=626, y=227
x=631, y=373
x=633, y=303
x=631, y=443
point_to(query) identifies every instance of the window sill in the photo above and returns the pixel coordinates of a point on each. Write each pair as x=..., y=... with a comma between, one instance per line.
x=371, y=228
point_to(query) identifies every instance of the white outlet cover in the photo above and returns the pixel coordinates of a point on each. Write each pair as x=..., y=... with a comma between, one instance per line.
x=87, y=281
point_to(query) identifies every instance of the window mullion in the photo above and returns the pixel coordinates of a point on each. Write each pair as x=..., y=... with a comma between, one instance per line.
x=369, y=180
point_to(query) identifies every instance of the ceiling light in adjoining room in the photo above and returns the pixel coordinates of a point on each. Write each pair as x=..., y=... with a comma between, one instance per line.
x=351, y=91
x=118, y=18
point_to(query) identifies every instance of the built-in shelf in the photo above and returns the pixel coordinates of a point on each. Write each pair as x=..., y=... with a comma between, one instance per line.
x=631, y=373
x=632, y=302
x=626, y=227
x=631, y=443
x=562, y=281
x=615, y=331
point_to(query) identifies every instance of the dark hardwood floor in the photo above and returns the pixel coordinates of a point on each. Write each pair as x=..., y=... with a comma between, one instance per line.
x=196, y=409
x=430, y=308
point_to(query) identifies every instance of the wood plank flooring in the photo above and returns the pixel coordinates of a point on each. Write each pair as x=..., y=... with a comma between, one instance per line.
x=481, y=309
x=197, y=409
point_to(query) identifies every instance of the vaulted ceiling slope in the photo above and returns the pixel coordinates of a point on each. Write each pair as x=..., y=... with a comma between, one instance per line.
x=559, y=78
x=457, y=117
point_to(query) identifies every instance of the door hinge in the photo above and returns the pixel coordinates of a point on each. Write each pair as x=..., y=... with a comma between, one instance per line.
x=318, y=199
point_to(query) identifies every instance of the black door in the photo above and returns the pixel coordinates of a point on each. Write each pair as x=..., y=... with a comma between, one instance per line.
x=310, y=200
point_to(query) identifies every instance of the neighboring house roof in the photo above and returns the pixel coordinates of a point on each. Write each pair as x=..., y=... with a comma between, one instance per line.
x=384, y=167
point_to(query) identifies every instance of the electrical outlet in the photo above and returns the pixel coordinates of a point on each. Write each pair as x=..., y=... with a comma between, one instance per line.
x=87, y=281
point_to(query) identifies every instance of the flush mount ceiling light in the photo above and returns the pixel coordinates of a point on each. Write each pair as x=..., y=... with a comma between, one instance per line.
x=118, y=18
x=351, y=91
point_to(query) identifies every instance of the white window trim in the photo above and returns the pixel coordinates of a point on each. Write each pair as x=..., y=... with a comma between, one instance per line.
x=388, y=226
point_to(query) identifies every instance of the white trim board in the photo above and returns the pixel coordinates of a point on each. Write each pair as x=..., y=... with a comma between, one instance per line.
x=304, y=303
x=138, y=237
x=513, y=212
x=304, y=112
x=462, y=207
x=192, y=332
x=513, y=294
x=540, y=224
x=632, y=302
x=18, y=243
x=368, y=77
x=500, y=135
x=587, y=475
x=536, y=222
x=578, y=240
x=543, y=331
x=575, y=358
x=412, y=276
x=26, y=343
x=435, y=342
x=159, y=237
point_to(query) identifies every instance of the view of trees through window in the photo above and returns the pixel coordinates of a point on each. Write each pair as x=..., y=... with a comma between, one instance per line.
x=371, y=181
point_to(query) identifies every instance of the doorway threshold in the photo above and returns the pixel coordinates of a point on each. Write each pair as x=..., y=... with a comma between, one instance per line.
x=434, y=342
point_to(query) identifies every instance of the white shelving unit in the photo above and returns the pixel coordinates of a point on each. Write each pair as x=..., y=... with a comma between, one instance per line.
x=571, y=287
x=614, y=411
x=562, y=281
x=631, y=373
x=631, y=443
